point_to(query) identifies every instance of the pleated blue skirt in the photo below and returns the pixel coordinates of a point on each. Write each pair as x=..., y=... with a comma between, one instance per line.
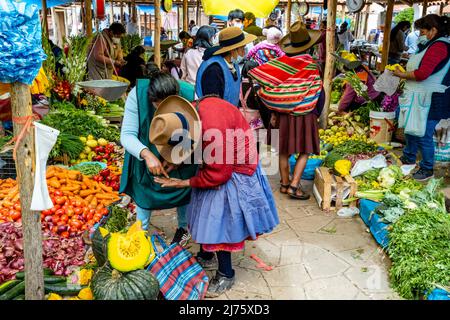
x=240, y=209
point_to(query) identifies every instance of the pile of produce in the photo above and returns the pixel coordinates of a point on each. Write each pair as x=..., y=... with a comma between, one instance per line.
x=109, y=178
x=117, y=219
x=349, y=148
x=98, y=105
x=88, y=169
x=337, y=89
x=350, y=122
x=79, y=202
x=97, y=150
x=58, y=253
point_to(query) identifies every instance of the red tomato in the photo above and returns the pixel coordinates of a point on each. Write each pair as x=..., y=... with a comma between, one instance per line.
x=104, y=211
x=90, y=223
x=15, y=215
x=78, y=203
x=59, y=212
x=64, y=218
x=55, y=229
x=47, y=212
x=55, y=219
x=69, y=211
x=75, y=224
x=97, y=217
x=58, y=193
x=65, y=234
x=84, y=227
x=89, y=216
x=17, y=206
x=60, y=200
x=61, y=223
x=78, y=210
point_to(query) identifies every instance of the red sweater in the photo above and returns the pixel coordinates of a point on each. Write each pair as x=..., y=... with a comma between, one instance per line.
x=435, y=54
x=218, y=116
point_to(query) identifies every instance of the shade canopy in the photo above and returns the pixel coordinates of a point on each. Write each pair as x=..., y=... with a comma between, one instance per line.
x=50, y=3
x=260, y=8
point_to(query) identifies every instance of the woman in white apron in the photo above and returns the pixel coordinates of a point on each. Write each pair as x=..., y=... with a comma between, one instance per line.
x=426, y=96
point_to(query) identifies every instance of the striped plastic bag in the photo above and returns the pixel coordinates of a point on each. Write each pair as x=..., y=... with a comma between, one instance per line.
x=179, y=275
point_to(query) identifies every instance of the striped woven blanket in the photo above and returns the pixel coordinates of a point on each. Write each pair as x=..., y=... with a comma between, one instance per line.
x=289, y=84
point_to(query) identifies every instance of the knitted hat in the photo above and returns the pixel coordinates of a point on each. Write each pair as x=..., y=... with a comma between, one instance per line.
x=273, y=34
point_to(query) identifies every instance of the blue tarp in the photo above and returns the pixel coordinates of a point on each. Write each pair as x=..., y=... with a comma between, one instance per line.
x=377, y=228
x=50, y=3
x=149, y=8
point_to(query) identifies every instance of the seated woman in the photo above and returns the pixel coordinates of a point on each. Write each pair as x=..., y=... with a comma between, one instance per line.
x=143, y=161
x=350, y=100
x=231, y=198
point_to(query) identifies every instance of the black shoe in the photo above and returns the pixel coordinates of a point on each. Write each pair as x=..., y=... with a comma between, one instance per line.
x=210, y=264
x=182, y=237
x=218, y=285
x=405, y=161
x=423, y=175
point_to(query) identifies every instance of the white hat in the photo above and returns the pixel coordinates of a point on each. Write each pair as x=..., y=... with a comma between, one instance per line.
x=273, y=34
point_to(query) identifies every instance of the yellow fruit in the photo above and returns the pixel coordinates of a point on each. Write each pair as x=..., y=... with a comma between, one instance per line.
x=83, y=156
x=90, y=137
x=83, y=139
x=92, y=143
x=85, y=294
x=87, y=150
x=54, y=296
x=102, y=142
x=321, y=131
x=86, y=276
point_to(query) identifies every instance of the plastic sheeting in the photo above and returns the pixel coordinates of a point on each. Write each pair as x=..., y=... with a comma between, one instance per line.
x=21, y=52
x=50, y=3
x=260, y=8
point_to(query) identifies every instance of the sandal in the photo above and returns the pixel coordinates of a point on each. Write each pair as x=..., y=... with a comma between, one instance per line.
x=295, y=195
x=285, y=187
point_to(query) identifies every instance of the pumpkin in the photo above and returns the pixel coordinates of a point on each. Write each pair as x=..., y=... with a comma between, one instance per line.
x=130, y=251
x=99, y=245
x=54, y=296
x=85, y=294
x=110, y=284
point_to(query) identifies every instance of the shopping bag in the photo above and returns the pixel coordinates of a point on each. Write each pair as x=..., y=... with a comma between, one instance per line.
x=179, y=275
x=252, y=116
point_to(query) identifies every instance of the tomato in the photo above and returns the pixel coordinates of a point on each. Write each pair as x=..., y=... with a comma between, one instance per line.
x=47, y=212
x=60, y=200
x=61, y=223
x=55, y=229
x=89, y=216
x=58, y=193
x=15, y=215
x=91, y=222
x=97, y=217
x=78, y=211
x=17, y=206
x=59, y=212
x=69, y=211
x=64, y=218
x=104, y=211
x=78, y=204
x=55, y=219
x=65, y=234
x=75, y=224
x=84, y=227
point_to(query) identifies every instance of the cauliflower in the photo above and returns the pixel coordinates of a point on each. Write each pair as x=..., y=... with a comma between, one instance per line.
x=389, y=175
x=410, y=205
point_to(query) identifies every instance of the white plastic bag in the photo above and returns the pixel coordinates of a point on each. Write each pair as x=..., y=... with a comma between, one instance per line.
x=348, y=212
x=361, y=166
x=387, y=83
x=45, y=139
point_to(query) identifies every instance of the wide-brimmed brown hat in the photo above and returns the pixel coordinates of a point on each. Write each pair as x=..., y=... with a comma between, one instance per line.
x=299, y=38
x=175, y=129
x=233, y=38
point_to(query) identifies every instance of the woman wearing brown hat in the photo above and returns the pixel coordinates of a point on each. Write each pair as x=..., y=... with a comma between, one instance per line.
x=298, y=133
x=231, y=199
x=219, y=73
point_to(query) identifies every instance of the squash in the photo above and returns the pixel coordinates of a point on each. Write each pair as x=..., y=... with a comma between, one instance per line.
x=110, y=284
x=99, y=245
x=86, y=294
x=130, y=251
x=54, y=296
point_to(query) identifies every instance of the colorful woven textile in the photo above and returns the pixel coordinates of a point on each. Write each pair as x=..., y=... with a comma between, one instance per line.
x=289, y=84
x=179, y=275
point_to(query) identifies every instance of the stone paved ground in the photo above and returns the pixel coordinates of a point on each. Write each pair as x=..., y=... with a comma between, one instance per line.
x=315, y=255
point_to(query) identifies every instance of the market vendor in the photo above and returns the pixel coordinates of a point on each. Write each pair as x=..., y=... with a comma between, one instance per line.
x=219, y=73
x=350, y=100
x=143, y=161
x=426, y=95
x=231, y=201
x=106, y=53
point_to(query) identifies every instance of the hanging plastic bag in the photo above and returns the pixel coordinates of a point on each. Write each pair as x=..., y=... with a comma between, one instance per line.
x=361, y=166
x=45, y=139
x=387, y=83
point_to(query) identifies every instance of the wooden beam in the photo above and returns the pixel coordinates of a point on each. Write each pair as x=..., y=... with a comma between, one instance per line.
x=44, y=17
x=342, y=13
x=424, y=8
x=441, y=9
x=145, y=24
x=139, y=22
x=111, y=12
x=329, y=63
x=387, y=33
x=88, y=15
x=185, y=16
x=178, y=19
x=366, y=20
x=122, y=18
x=288, y=14
x=31, y=220
x=157, y=41
x=197, y=14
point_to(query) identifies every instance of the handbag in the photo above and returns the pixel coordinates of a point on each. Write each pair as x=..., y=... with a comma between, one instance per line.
x=180, y=276
x=252, y=116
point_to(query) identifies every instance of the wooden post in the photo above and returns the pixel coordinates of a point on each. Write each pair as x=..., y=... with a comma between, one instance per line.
x=139, y=22
x=387, y=33
x=145, y=24
x=366, y=20
x=44, y=17
x=157, y=40
x=66, y=23
x=88, y=15
x=31, y=220
x=342, y=13
x=54, y=28
x=441, y=9
x=329, y=63
x=424, y=8
x=185, y=16
x=122, y=18
x=111, y=12
x=178, y=19
x=357, y=21
x=288, y=14
x=197, y=14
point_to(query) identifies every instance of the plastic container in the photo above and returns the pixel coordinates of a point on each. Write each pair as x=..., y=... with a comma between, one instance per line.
x=311, y=165
x=381, y=126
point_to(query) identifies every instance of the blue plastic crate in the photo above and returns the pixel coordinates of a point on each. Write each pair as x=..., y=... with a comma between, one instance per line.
x=311, y=165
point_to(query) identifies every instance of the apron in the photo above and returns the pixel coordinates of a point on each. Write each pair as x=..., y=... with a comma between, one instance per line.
x=99, y=70
x=136, y=180
x=415, y=102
